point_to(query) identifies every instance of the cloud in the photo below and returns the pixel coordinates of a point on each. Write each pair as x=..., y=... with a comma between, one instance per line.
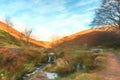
x=92, y=8
x=62, y=27
x=34, y=7
x=18, y=25
x=47, y=17
x=42, y=34
x=2, y=17
x=83, y=3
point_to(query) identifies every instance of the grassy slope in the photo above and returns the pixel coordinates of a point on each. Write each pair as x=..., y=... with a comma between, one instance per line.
x=7, y=40
x=93, y=38
x=18, y=35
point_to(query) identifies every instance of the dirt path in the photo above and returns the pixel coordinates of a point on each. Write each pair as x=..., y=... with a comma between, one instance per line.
x=112, y=71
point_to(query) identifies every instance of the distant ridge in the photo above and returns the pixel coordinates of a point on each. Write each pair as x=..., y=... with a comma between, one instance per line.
x=17, y=35
x=90, y=37
x=73, y=36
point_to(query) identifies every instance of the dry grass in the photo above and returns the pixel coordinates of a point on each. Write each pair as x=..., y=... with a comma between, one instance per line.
x=13, y=65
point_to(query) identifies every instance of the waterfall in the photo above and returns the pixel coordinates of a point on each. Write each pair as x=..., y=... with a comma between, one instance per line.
x=51, y=57
x=78, y=67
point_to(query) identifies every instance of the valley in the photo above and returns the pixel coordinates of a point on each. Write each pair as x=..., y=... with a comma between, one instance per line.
x=92, y=54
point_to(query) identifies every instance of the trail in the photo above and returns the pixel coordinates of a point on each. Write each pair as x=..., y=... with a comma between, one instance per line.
x=112, y=70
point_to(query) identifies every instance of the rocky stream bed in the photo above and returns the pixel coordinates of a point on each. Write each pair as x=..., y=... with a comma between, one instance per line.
x=38, y=74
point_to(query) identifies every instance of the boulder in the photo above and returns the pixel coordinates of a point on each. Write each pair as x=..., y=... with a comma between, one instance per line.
x=62, y=66
x=61, y=63
x=47, y=67
x=96, y=50
x=99, y=61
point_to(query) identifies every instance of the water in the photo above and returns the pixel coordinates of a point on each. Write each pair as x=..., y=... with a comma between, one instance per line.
x=49, y=75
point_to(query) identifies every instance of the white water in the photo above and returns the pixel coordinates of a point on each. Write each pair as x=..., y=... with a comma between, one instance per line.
x=51, y=75
x=38, y=69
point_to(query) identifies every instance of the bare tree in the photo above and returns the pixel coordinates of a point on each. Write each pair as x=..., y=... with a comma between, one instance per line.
x=8, y=22
x=27, y=32
x=108, y=14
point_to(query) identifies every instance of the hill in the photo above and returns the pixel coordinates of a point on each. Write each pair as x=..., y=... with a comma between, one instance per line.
x=90, y=37
x=18, y=35
x=8, y=40
x=17, y=57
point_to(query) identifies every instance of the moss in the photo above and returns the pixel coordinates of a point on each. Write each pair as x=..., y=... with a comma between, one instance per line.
x=57, y=78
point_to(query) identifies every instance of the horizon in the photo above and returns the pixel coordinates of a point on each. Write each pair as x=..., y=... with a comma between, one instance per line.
x=47, y=18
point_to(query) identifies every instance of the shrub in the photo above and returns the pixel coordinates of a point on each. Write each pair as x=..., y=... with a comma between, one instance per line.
x=28, y=67
x=17, y=64
x=85, y=59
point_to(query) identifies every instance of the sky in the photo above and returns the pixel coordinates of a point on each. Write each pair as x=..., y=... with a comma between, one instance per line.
x=49, y=18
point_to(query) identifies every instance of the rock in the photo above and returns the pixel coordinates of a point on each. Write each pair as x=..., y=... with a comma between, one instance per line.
x=96, y=50
x=61, y=63
x=62, y=66
x=99, y=61
x=47, y=67
x=38, y=76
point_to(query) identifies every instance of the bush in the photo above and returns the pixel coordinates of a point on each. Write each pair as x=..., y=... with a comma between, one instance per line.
x=29, y=67
x=18, y=64
x=85, y=59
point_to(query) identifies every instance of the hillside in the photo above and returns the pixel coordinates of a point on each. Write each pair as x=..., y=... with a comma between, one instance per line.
x=7, y=40
x=18, y=35
x=90, y=37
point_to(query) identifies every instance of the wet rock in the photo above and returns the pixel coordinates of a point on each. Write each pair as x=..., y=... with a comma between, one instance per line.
x=47, y=67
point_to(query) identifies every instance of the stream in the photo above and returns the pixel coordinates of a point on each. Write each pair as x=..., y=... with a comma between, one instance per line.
x=38, y=70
